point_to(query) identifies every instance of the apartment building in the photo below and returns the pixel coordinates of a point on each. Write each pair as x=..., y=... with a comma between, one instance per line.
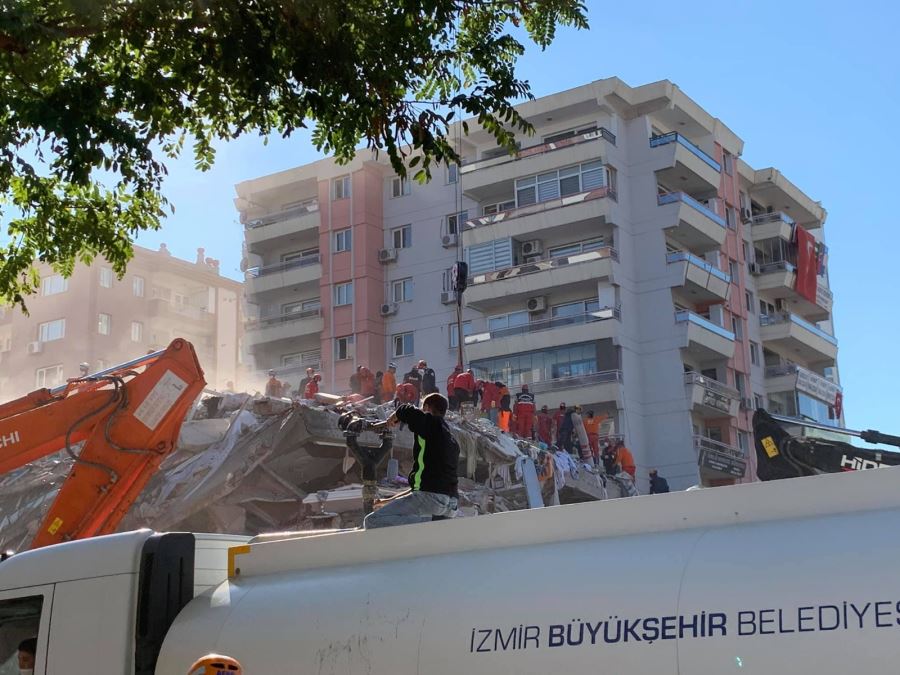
x=625, y=259
x=94, y=317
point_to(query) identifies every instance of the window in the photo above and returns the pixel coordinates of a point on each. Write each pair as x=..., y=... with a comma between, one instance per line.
x=576, y=248
x=343, y=348
x=730, y=217
x=137, y=287
x=733, y=271
x=343, y=294
x=499, y=207
x=727, y=162
x=341, y=187
x=612, y=181
x=20, y=619
x=569, y=133
x=307, y=307
x=402, y=344
x=54, y=284
x=343, y=240
x=452, y=173
x=758, y=402
x=737, y=327
x=556, y=184
x=399, y=187
x=401, y=237
x=106, y=277
x=49, y=377
x=748, y=302
x=104, y=322
x=742, y=442
x=402, y=290
x=511, y=320
x=493, y=255
x=453, y=331
x=455, y=222
x=754, y=353
x=548, y=364
x=303, y=256
x=52, y=330
x=739, y=383
x=137, y=331
x=310, y=358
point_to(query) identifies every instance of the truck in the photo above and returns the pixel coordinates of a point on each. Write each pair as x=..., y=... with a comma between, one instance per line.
x=787, y=576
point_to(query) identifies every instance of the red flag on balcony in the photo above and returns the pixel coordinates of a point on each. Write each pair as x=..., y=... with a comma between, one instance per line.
x=807, y=264
x=838, y=405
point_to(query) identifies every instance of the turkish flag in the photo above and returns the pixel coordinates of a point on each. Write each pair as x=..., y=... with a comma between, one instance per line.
x=807, y=264
x=838, y=405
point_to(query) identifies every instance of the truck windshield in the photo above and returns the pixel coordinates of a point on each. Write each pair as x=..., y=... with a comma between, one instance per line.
x=19, y=621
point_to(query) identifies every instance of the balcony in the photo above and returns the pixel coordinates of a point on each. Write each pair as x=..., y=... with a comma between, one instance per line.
x=284, y=327
x=703, y=338
x=719, y=460
x=791, y=377
x=164, y=309
x=493, y=176
x=284, y=275
x=771, y=226
x=769, y=186
x=688, y=221
x=543, y=334
x=701, y=280
x=602, y=387
x=582, y=208
x=271, y=231
x=710, y=398
x=794, y=335
x=687, y=165
x=779, y=279
x=500, y=287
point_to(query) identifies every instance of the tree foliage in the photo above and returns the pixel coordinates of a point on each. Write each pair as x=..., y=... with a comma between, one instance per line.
x=95, y=95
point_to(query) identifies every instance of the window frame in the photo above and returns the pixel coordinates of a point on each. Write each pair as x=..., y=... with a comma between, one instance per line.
x=138, y=328
x=138, y=286
x=106, y=277
x=100, y=330
x=62, y=333
x=400, y=187
x=453, y=332
x=45, y=287
x=405, y=285
x=349, y=343
x=754, y=353
x=339, y=289
x=45, y=592
x=41, y=383
x=344, y=191
x=343, y=240
x=452, y=173
x=460, y=216
x=402, y=337
x=405, y=232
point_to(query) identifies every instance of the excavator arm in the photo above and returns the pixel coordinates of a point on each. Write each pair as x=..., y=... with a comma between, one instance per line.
x=126, y=420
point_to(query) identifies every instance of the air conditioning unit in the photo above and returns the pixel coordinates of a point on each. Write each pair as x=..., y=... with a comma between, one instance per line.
x=746, y=404
x=388, y=308
x=536, y=304
x=35, y=347
x=532, y=247
x=450, y=240
x=387, y=255
x=746, y=216
x=448, y=298
x=754, y=268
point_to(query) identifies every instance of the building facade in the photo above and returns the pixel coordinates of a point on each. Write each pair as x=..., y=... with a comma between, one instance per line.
x=625, y=259
x=94, y=317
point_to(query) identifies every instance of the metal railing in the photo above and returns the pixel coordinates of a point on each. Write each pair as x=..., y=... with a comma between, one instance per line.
x=278, y=319
x=787, y=317
x=671, y=197
x=704, y=443
x=685, y=315
x=679, y=256
x=546, y=324
x=305, y=261
x=709, y=383
x=776, y=266
x=189, y=311
x=572, y=381
x=541, y=207
x=675, y=137
x=824, y=297
x=774, y=217
x=544, y=264
x=311, y=206
x=541, y=149
x=298, y=368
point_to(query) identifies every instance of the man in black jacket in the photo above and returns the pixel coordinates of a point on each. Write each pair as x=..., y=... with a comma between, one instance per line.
x=429, y=380
x=658, y=484
x=433, y=478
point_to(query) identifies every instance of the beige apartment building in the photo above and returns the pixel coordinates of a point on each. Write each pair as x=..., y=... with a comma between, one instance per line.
x=94, y=317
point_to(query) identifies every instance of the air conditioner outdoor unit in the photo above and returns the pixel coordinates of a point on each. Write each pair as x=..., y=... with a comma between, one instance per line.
x=387, y=255
x=746, y=216
x=450, y=240
x=532, y=247
x=448, y=297
x=747, y=404
x=754, y=268
x=35, y=347
x=388, y=308
x=536, y=304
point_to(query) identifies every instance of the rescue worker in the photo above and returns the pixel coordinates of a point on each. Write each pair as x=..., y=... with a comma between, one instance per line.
x=592, y=426
x=545, y=426
x=379, y=378
x=354, y=380
x=504, y=418
x=312, y=387
x=366, y=382
x=274, y=387
x=310, y=372
x=658, y=484
x=625, y=459
x=566, y=428
x=557, y=419
x=389, y=383
x=523, y=413
x=27, y=654
x=414, y=377
x=584, y=449
x=216, y=664
x=429, y=379
x=433, y=479
x=464, y=387
x=84, y=369
x=451, y=391
x=406, y=393
x=503, y=397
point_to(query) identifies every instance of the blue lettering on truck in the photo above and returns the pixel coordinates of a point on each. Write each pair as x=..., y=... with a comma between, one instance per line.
x=614, y=629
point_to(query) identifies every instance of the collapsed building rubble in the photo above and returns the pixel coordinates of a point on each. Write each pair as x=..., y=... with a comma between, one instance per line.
x=252, y=464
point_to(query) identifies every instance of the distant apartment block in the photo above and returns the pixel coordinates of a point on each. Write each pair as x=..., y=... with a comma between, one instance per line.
x=625, y=259
x=95, y=318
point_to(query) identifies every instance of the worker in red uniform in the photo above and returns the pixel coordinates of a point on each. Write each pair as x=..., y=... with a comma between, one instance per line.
x=490, y=404
x=406, y=393
x=312, y=387
x=464, y=387
x=558, y=418
x=366, y=382
x=523, y=413
x=545, y=426
x=451, y=390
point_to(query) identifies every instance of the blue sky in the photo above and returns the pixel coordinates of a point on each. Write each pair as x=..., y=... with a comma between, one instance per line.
x=811, y=89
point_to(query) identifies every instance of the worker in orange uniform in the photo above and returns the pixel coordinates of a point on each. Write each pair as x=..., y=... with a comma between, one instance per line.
x=366, y=382
x=389, y=383
x=312, y=387
x=504, y=418
x=625, y=459
x=406, y=393
x=523, y=413
x=216, y=664
x=545, y=426
x=274, y=387
x=451, y=388
x=592, y=426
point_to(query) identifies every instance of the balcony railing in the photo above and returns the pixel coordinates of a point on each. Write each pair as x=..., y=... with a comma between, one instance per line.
x=299, y=367
x=774, y=217
x=572, y=381
x=679, y=256
x=787, y=317
x=704, y=443
x=824, y=296
x=307, y=207
x=671, y=197
x=541, y=149
x=546, y=324
x=711, y=384
x=541, y=207
x=277, y=320
x=776, y=266
x=305, y=261
x=189, y=311
x=807, y=381
x=544, y=265
x=675, y=137
x=685, y=315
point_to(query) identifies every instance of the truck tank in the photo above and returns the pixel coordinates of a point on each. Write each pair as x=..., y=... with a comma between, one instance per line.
x=794, y=576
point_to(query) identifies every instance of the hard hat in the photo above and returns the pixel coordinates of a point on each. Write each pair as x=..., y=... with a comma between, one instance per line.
x=422, y=364
x=84, y=364
x=216, y=664
x=392, y=365
x=272, y=373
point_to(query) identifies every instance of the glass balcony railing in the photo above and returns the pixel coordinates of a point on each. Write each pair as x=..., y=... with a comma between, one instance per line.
x=307, y=207
x=787, y=317
x=571, y=381
x=278, y=319
x=687, y=316
x=542, y=207
x=601, y=132
x=674, y=137
x=711, y=384
x=671, y=197
x=679, y=256
x=776, y=266
x=546, y=324
x=544, y=265
x=305, y=261
x=774, y=217
x=704, y=443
